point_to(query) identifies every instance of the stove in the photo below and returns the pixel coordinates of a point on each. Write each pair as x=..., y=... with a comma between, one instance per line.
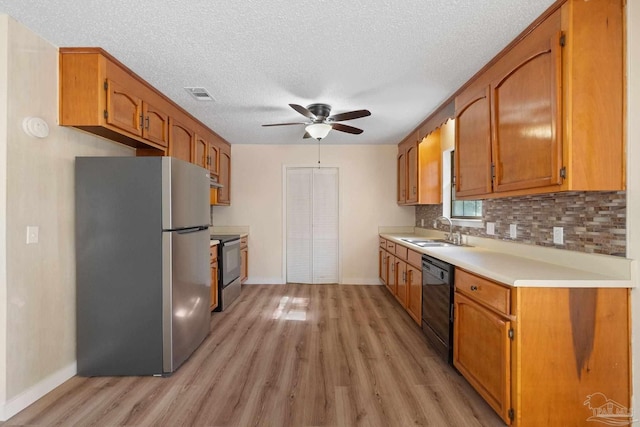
x=228, y=269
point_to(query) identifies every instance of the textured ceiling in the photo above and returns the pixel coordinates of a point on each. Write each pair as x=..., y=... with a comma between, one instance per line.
x=399, y=59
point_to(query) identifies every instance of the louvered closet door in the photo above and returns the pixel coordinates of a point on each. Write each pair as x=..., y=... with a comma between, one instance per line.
x=312, y=225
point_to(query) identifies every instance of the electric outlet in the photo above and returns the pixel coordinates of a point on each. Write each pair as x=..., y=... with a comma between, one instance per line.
x=558, y=236
x=32, y=234
x=513, y=231
x=491, y=228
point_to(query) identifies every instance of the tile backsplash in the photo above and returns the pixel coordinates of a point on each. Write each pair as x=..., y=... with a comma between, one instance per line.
x=593, y=222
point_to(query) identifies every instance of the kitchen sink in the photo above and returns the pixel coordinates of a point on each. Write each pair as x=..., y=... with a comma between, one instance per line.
x=430, y=243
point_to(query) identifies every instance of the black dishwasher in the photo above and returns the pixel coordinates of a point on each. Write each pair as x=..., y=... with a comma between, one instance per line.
x=437, y=305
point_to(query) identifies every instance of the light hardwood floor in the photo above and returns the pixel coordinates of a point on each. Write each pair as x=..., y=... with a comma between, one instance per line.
x=285, y=355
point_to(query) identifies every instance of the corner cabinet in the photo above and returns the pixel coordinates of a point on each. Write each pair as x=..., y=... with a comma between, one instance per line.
x=537, y=355
x=547, y=115
x=102, y=96
x=419, y=170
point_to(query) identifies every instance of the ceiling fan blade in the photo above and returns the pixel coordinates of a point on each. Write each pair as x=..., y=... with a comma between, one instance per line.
x=346, y=128
x=350, y=115
x=286, y=124
x=300, y=109
x=306, y=135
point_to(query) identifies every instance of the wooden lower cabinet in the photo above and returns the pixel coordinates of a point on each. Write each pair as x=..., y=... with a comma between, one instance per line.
x=213, y=254
x=400, y=270
x=383, y=266
x=481, y=352
x=414, y=293
x=244, y=259
x=393, y=277
x=544, y=356
x=401, y=281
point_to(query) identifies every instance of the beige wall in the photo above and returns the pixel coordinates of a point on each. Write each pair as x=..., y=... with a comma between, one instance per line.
x=40, y=278
x=367, y=175
x=3, y=207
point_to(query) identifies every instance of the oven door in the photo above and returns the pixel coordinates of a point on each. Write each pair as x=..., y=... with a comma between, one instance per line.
x=229, y=262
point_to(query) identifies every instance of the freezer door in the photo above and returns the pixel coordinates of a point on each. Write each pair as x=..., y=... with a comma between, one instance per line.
x=185, y=194
x=186, y=294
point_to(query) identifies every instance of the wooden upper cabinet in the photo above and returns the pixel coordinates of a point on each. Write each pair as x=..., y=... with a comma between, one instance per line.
x=155, y=127
x=526, y=116
x=547, y=114
x=214, y=159
x=124, y=108
x=430, y=169
x=473, y=143
x=181, y=141
x=402, y=175
x=412, y=173
x=224, y=193
x=201, y=150
x=419, y=169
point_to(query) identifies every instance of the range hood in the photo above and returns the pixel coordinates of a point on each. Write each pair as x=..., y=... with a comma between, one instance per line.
x=214, y=183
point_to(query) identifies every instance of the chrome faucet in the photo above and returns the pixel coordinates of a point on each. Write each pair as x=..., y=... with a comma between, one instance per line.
x=451, y=237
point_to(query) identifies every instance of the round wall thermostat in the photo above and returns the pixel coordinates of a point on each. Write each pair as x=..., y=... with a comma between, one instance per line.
x=35, y=126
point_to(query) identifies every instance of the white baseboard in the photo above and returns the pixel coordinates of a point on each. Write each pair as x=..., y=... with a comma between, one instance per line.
x=375, y=281
x=279, y=281
x=264, y=281
x=16, y=404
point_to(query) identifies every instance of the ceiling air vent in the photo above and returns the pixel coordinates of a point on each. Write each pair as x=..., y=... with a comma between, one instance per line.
x=199, y=93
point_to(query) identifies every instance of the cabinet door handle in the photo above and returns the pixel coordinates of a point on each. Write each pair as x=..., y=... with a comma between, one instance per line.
x=146, y=121
x=414, y=189
x=474, y=288
x=141, y=121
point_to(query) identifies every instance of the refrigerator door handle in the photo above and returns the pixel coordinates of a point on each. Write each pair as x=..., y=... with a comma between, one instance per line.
x=188, y=230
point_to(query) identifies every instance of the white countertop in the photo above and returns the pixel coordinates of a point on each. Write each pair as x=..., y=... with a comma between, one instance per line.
x=242, y=230
x=214, y=242
x=522, y=271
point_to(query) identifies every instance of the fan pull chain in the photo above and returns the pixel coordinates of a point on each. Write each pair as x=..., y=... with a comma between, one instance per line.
x=318, y=154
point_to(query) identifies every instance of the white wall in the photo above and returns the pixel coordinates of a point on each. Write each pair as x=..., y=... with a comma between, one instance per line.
x=38, y=338
x=367, y=175
x=633, y=182
x=4, y=27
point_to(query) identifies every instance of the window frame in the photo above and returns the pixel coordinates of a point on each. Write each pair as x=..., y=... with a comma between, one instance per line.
x=448, y=191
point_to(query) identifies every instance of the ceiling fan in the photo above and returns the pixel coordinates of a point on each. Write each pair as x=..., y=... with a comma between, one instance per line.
x=321, y=122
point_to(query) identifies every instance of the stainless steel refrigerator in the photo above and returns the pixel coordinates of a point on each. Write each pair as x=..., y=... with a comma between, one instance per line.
x=142, y=264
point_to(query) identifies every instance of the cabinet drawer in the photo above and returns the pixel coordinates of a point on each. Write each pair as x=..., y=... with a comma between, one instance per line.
x=415, y=258
x=401, y=252
x=213, y=253
x=244, y=241
x=484, y=291
x=391, y=247
x=383, y=242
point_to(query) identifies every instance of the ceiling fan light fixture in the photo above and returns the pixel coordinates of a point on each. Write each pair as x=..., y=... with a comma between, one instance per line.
x=318, y=130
